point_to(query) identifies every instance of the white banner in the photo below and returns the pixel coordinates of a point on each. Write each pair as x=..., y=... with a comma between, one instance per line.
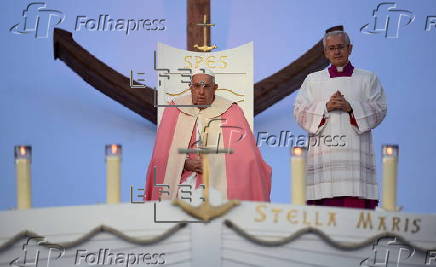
x=233, y=70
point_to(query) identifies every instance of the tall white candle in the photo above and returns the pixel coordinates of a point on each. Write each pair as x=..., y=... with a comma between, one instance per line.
x=113, y=174
x=298, y=182
x=24, y=186
x=390, y=166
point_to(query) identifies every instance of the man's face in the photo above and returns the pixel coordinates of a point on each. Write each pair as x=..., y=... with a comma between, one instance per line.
x=337, y=51
x=203, y=89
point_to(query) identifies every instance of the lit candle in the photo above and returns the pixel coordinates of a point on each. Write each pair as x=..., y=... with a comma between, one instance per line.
x=390, y=165
x=23, y=158
x=113, y=173
x=298, y=183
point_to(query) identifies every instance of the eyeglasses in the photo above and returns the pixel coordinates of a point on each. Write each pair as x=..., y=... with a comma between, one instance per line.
x=340, y=47
x=197, y=86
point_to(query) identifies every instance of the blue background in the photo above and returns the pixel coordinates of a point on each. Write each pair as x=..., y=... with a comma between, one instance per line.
x=45, y=104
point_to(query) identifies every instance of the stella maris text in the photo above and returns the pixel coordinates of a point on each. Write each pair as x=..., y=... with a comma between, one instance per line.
x=364, y=220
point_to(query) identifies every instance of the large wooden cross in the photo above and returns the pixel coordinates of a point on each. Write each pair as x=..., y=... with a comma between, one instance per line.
x=267, y=92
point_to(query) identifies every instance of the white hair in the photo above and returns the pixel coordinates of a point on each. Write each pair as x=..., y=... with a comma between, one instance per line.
x=334, y=33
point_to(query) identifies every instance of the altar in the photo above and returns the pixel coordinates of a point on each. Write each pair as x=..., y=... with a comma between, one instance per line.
x=249, y=234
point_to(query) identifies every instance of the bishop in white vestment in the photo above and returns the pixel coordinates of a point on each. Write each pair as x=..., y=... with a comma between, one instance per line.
x=339, y=107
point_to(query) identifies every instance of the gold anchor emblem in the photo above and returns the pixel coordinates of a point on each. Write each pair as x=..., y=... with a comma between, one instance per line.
x=205, y=211
x=205, y=47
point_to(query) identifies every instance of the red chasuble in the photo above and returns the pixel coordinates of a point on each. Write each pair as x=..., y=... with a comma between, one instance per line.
x=242, y=175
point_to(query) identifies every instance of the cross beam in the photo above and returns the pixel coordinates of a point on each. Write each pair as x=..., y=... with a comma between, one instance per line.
x=102, y=77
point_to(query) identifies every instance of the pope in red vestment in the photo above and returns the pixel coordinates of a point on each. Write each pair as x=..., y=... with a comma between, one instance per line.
x=221, y=124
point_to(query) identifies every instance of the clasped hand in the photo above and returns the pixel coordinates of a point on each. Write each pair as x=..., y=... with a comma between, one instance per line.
x=338, y=102
x=194, y=165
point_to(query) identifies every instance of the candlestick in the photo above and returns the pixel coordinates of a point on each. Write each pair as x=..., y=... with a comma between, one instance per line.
x=390, y=166
x=23, y=155
x=298, y=162
x=113, y=173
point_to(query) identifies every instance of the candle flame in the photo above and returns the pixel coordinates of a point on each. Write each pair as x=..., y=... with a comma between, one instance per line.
x=298, y=151
x=389, y=151
x=114, y=149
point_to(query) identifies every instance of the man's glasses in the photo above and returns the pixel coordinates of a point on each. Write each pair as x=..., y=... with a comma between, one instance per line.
x=339, y=47
x=197, y=86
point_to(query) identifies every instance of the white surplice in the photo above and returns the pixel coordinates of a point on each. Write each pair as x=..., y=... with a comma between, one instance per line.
x=340, y=166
